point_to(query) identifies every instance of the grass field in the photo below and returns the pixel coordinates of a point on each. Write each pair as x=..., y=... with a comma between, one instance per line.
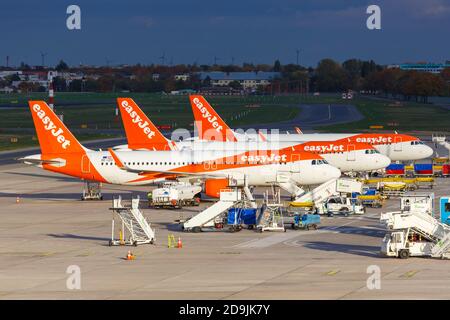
x=87, y=112
x=84, y=112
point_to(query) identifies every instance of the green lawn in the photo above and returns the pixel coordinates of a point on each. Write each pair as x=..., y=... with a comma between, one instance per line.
x=162, y=110
x=97, y=111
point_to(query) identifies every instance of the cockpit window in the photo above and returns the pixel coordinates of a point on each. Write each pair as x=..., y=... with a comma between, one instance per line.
x=318, y=162
x=416, y=142
x=371, y=151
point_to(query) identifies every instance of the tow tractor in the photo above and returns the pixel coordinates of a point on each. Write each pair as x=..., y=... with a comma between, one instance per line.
x=306, y=221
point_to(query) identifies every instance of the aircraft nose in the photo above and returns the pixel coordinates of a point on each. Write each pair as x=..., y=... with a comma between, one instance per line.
x=427, y=151
x=383, y=161
x=334, y=172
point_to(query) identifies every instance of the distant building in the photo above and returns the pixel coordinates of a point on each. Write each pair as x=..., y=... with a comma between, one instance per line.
x=6, y=90
x=6, y=73
x=156, y=76
x=424, y=67
x=181, y=77
x=248, y=80
x=182, y=92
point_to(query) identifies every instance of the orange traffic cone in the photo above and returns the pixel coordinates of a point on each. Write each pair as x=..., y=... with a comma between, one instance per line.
x=130, y=256
x=17, y=200
x=180, y=244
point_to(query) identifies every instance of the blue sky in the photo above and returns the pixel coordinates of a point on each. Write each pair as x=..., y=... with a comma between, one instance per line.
x=197, y=30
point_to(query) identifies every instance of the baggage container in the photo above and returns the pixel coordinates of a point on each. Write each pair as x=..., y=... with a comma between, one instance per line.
x=423, y=169
x=237, y=216
x=446, y=170
x=395, y=169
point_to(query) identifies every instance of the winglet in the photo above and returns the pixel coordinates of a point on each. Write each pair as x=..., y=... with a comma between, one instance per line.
x=119, y=163
x=209, y=124
x=140, y=131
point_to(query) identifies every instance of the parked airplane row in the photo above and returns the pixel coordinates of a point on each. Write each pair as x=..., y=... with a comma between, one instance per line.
x=289, y=160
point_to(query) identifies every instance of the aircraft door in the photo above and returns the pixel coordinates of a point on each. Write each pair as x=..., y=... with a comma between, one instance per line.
x=398, y=144
x=295, y=166
x=85, y=164
x=351, y=152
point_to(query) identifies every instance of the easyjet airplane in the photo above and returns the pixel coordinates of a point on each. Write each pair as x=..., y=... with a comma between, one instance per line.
x=142, y=134
x=398, y=147
x=62, y=153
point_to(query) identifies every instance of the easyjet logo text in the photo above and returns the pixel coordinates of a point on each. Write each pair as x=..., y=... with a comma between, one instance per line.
x=208, y=116
x=374, y=140
x=264, y=158
x=50, y=126
x=325, y=148
x=136, y=119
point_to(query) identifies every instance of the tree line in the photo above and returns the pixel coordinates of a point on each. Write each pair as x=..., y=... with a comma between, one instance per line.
x=327, y=76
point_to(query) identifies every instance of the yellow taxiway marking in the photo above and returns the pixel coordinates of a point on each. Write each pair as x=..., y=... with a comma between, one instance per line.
x=332, y=272
x=409, y=274
x=46, y=254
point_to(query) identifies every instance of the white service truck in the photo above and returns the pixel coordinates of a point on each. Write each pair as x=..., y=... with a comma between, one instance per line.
x=175, y=196
x=341, y=205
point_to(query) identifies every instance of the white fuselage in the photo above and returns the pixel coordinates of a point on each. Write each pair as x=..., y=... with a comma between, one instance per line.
x=230, y=164
x=395, y=148
x=348, y=161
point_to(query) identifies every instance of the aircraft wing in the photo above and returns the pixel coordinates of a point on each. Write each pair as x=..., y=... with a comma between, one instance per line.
x=178, y=173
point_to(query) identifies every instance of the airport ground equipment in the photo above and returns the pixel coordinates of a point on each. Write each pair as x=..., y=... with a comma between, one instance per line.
x=134, y=221
x=238, y=217
x=395, y=169
x=232, y=197
x=414, y=233
x=424, y=182
x=175, y=195
x=420, y=202
x=316, y=198
x=445, y=210
x=306, y=221
x=423, y=169
x=392, y=189
x=446, y=170
x=270, y=217
x=442, y=140
x=343, y=205
x=92, y=191
x=371, y=200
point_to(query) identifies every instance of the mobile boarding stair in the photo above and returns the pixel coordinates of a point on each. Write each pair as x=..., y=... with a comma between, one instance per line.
x=317, y=196
x=270, y=216
x=228, y=198
x=436, y=233
x=441, y=140
x=133, y=220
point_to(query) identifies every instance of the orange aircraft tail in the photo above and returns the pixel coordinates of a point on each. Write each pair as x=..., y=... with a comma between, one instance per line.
x=209, y=124
x=53, y=135
x=60, y=150
x=140, y=131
